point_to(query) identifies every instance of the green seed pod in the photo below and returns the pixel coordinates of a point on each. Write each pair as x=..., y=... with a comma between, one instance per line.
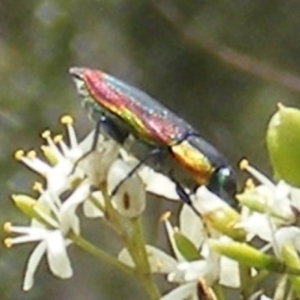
x=283, y=142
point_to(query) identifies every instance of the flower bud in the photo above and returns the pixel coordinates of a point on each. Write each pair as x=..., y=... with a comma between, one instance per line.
x=240, y=252
x=32, y=208
x=25, y=204
x=283, y=142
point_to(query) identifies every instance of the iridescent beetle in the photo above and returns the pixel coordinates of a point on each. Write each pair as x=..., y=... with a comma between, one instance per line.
x=124, y=110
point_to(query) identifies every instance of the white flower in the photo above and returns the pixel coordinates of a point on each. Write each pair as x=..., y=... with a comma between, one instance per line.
x=50, y=230
x=275, y=200
x=193, y=234
x=271, y=206
x=208, y=269
x=257, y=224
x=85, y=171
x=66, y=163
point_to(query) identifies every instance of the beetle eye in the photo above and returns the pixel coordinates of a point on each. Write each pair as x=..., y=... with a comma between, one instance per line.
x=223, y=183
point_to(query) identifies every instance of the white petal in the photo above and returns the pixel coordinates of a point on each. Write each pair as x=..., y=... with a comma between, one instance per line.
x=50, y=200
x=33, y=262
x=284, y=236
x=190, y=271
x=130, y=198
x=93, y=208
x=125, y=258
x=229, y=273
x=206, y=202
x=182, y=292
x=58, y=177
x=57, y=256
x=258, y=225
x=87, y=142
x=191, y=226
x=67, y=216
x=90, y=210
x=281, y=202
x=158, y=184
x=160, y=262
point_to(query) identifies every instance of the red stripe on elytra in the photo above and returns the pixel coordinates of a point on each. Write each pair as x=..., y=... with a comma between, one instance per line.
x=155, y=128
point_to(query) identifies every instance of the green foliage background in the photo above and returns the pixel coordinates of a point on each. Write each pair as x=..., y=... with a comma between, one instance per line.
x=221, y=65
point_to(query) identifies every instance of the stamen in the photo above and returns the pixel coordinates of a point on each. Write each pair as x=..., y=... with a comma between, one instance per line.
x=7, y=227
x=46, y=134
x=31, y=154
x=8, y=242
x=280, y=105
x=38, y=187
x=67, y=120
x=19, y=154
x=249, y=184
x=244, y=164
x=58, y=138
x=165, y=217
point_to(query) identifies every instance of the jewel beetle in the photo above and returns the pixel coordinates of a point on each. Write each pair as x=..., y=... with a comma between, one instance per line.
x=124, y=110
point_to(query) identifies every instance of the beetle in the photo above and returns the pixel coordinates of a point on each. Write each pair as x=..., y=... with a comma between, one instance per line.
x=123, y=110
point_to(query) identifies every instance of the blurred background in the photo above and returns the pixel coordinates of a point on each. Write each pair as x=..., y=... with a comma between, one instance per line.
x=221, y=65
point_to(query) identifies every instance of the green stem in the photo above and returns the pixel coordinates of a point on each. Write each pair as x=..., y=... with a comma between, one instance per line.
x=218, y=291
x=100, y=254
x=245, y=277
x=261, y=275
x=139, y=255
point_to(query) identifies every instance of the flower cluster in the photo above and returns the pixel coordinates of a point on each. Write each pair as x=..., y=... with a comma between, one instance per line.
x=213, y=245
x=71, y=179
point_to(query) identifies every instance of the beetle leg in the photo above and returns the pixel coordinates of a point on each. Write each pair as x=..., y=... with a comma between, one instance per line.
x=93, y=146
x=112, y=129
x=185, y=197
x=154, y=152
